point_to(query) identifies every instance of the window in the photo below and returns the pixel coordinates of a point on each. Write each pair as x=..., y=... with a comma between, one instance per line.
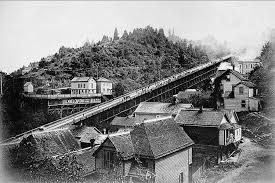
x=181, y=177
x=78, y=85
x=83, y=85
x=241, y=90
x=251, y=66
x=108, y=159
x=243, y=103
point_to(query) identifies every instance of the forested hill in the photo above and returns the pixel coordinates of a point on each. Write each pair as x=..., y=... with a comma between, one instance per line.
x=132, y=60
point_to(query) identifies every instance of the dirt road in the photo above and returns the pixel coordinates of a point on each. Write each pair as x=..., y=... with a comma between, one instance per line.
x=255, y=164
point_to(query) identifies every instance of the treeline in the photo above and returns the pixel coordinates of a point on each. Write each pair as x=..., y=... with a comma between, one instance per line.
x=263, y=77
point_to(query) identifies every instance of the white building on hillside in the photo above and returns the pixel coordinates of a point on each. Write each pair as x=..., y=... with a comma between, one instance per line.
x=83, y=85
x=104, y=86
x=28, y=87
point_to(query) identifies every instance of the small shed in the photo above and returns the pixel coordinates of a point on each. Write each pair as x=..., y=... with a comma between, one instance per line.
x=28, y=87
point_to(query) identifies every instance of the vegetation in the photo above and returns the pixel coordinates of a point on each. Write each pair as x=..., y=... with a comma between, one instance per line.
x=131, y=61
x=263, y=76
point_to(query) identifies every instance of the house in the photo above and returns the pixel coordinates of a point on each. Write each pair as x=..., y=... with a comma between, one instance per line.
x=234, y=91
x=246, y=66
x=104, y=86
x=83, y=85
x=213, y=128
x=85, y=135
x=150, y=110
x=157, y=150
x=28, y=87
x=243, y=97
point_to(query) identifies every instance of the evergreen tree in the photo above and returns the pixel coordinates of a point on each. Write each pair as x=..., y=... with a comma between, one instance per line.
x=125, y=35
x=116, y=35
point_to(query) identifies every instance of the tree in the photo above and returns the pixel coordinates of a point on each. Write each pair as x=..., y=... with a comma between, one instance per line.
x=125, y=35
x=119, y=89
x=116, y=35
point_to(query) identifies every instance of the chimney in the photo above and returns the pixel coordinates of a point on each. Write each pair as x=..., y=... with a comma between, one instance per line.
x=200, y=110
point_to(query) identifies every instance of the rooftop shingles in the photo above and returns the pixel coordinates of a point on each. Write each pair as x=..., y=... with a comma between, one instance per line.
x=124, y=121
x=159, y=137
x=123, y=144
x=195, y=118
x=85, y=133
x=249, y=84
x=52, y=143
x=235, y=73
x=81, y=79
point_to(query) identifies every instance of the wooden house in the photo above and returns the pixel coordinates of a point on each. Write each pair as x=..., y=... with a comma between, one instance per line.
x=83, y=85
x=156, y=150
x=234, y=91
x=104, y=86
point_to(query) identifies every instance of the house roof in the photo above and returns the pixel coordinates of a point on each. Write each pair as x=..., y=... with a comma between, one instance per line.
x=124, y=121
x=151, y=139
x=230, y=114
x=82, y=156
x=102, y=79
x=225, y=126
x=235, y=73
x=160, y=108
x=195, y=118
x=123, y=144
x=28, y=83
x=159, y=137
x=52, y=143
x=82, y=79
x=249, y=84
x=86, y=133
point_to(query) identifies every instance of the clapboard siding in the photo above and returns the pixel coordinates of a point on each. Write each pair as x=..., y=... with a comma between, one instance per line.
x=168, y=168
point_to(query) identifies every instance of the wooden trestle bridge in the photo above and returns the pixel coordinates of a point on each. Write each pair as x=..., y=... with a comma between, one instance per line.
x=101, y=114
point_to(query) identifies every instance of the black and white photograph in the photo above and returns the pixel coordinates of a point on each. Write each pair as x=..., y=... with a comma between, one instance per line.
x=137, y=91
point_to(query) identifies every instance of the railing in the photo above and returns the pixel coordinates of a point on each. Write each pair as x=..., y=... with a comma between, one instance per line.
x=62, y=96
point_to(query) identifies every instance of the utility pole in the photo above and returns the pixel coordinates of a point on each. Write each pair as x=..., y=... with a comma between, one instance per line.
x=1, y=82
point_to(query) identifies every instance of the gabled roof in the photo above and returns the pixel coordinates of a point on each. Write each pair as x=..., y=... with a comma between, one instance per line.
x=207, y=118
x=124, y=121
x=151, y=139
x=123, y=144
x=235, y=73
x=159, y=137
x=160, y=108
x=82, y=79
x=28, y=83
x=102, y=79
x=85, y=133
x=249, y=84
x=52, y=143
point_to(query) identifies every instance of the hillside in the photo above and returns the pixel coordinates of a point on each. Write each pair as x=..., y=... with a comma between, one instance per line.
x=133, y=60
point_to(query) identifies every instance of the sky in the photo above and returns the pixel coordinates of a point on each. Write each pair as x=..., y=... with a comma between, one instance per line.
x=32, y=30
